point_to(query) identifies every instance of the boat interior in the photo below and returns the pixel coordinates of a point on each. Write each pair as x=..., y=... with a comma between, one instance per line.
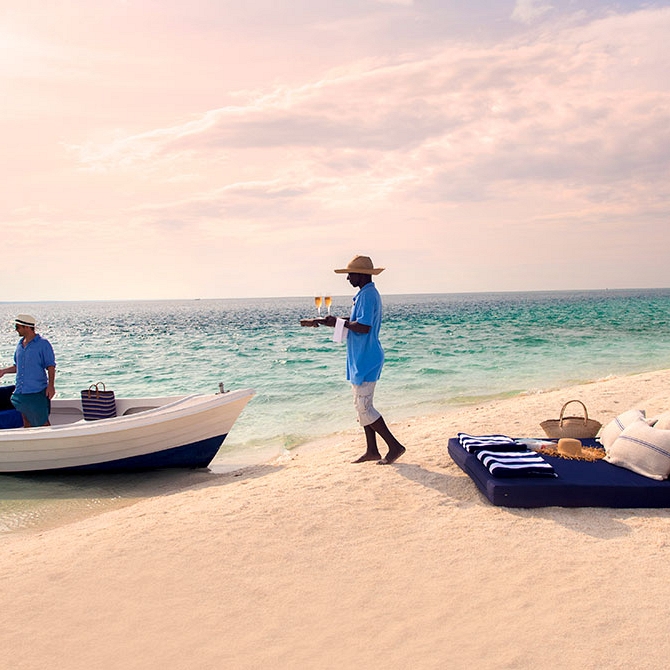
x=65, y=414
x=69, y=410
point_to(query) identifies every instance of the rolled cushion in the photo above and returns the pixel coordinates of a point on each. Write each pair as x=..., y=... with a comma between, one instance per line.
x=642, y=449
x=662, y=422
x=614, y=428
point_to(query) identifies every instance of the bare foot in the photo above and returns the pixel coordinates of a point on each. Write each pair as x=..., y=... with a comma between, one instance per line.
x=392, y=457
x=367, y=457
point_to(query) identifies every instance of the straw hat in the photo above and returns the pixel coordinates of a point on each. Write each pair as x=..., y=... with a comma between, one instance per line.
x=569, y=446
x=361, y=265
x=25, y=320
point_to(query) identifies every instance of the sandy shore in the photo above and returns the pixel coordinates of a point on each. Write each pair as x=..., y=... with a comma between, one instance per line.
x=312, y=562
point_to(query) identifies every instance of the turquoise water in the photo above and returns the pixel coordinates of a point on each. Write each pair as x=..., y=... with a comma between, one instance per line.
x=442, y=351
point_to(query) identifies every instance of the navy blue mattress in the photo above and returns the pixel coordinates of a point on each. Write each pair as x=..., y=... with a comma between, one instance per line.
x=579, y=484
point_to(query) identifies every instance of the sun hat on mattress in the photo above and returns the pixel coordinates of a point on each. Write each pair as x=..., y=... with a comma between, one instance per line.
x=569, y=446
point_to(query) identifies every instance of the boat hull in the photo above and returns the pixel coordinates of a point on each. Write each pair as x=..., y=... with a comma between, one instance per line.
x=181, y=432
x=197, y=455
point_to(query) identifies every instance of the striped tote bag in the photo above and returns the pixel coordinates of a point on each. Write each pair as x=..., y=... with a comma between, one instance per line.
x=98, y=403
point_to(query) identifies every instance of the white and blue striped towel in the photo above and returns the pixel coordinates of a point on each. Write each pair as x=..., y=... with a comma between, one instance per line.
x=473, y=443
x=516, y=464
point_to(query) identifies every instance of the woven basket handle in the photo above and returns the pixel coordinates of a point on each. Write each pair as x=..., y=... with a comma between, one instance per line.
x=586, y=414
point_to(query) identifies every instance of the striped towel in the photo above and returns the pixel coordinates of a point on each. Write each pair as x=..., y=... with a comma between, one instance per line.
x=516, y=464
x=473, y=443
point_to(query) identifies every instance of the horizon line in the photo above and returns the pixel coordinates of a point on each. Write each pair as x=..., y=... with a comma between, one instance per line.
x=278, y=297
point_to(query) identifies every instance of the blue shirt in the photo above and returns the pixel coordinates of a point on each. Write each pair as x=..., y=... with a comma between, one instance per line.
x=32, y=362
x=365, y=356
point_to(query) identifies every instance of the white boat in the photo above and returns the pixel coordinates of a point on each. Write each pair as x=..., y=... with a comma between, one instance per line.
x=177, y=431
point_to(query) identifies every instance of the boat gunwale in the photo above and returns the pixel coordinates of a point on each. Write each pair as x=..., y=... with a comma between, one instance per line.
x=179, y=408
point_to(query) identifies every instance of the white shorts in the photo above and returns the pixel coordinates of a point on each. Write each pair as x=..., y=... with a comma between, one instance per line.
x=363, y=395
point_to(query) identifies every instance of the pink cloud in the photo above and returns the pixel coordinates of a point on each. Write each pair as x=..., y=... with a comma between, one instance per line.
x=549, y=135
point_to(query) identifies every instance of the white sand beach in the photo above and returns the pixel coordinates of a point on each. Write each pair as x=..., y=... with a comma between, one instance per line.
x=313, y=562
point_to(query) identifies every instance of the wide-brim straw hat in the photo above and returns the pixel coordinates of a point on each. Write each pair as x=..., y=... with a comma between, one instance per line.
x=569, y=446
x=361, y=265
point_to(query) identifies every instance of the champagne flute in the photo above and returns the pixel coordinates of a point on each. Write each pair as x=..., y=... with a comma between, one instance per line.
x=329, y=301
x=317, y=304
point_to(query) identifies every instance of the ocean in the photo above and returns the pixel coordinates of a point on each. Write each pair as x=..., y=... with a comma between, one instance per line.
x=442, y=351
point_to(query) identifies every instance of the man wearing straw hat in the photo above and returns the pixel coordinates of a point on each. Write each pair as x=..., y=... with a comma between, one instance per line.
x=35, y=368
x=365, y=357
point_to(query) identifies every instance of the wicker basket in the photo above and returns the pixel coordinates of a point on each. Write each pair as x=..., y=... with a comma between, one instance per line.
x=579, y=427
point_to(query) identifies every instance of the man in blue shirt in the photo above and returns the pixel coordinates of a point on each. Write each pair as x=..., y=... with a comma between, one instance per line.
x=365, y=357
x=35, y=368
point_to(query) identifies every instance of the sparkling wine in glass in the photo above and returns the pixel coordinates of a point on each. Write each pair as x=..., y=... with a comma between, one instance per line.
x=317, y=304
x=328, y=302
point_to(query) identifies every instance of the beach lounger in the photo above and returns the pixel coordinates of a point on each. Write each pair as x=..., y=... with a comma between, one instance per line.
x=577, y=484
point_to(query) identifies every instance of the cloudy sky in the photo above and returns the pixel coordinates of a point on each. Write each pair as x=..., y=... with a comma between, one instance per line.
x=215, y=148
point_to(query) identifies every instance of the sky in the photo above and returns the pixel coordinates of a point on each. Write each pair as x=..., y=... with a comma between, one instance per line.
x=167, y=149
